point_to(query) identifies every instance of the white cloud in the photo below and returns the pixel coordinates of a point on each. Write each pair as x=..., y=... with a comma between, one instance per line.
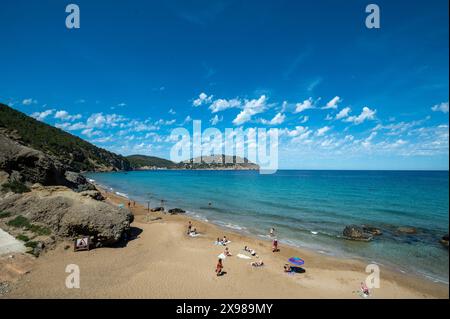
x=64, y=115
x=277, y=119
x=333, y=103
x=222, y=104
x=40, y=116
x=367, y=142
x=165, y=122
x=215, y=120
x=343, y=113
x=306, y=104
x=251, y=107
x=29, y=101
x=203, y=98
x=100, y=120
x=442, y=107
x=122, y=104
x=172, y=111
x=323, y=130
x=304, y=119
x=89, y=132
x=366, y=114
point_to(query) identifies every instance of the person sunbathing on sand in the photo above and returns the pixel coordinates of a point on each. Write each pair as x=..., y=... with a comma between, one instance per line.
x=365, y=289
x=257, y=263
x=219, y=267
x=287, y=268
x=251, y=251
x=227, y=252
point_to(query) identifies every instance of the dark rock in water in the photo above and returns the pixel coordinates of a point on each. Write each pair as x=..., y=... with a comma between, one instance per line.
x=407, y=230
x=444, y=240
x=355, y=232
x=176, y=211
x=157, y=209
x=372, y=230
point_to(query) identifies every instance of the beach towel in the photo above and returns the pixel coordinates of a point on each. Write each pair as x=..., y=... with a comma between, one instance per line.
x=243, y=256
x=193, y=235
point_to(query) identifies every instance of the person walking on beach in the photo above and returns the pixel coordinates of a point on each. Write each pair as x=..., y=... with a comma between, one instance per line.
x=272, y=232
x=129, y=204
x=189, y=227
x=219, y=268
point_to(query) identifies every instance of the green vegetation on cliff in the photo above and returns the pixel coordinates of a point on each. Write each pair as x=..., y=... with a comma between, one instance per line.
x=70, y=150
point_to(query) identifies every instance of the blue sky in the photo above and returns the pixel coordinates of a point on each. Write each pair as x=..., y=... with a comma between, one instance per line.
x=342, y=96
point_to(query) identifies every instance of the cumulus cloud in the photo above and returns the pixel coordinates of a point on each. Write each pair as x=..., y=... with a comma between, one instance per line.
x=203, y=98
x=442, y=107
x=321, y=131
x=277, y=119
x=29, y=101
x=333, y=103
x=40, y=116
x=306, y=104
x=64, y=115
x=172, y=111
x=251, y=107
x=343, y=113
x=366, y=114
x=89, y=132
x=223, y=104
x=304, y=119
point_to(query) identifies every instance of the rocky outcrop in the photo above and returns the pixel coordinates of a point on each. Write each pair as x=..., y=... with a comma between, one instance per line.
x=26, y=165
x=157, y=209
x=94, y=194
x=355, y=232
x=69, y=214
x=444, y=240
x=78, y=182
x=407, y=230
x=372, y=230
x=176, y=211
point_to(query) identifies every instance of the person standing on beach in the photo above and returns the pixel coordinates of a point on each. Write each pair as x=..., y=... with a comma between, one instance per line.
x=129, y=204
x=275, y=245
x=272, y=232
x=189, y=227
x=219, y=267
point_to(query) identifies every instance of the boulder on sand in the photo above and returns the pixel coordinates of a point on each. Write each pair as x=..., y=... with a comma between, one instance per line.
x=355, y=232
x=69, y=214
x=157, y=209
x=176, y=211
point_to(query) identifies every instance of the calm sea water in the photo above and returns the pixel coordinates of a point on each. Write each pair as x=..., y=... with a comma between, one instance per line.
x=298, y=203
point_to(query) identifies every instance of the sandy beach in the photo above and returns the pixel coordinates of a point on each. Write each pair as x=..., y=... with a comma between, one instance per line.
x=162, y=261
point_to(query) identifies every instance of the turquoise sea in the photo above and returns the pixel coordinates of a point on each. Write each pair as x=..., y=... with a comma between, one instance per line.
x=298, y=203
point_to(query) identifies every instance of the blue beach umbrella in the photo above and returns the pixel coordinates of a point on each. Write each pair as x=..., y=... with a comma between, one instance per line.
x=296, y=261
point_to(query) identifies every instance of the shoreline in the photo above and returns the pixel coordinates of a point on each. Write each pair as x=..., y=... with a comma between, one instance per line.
x=355, y=261
x=392, y=266
x=161, y=261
